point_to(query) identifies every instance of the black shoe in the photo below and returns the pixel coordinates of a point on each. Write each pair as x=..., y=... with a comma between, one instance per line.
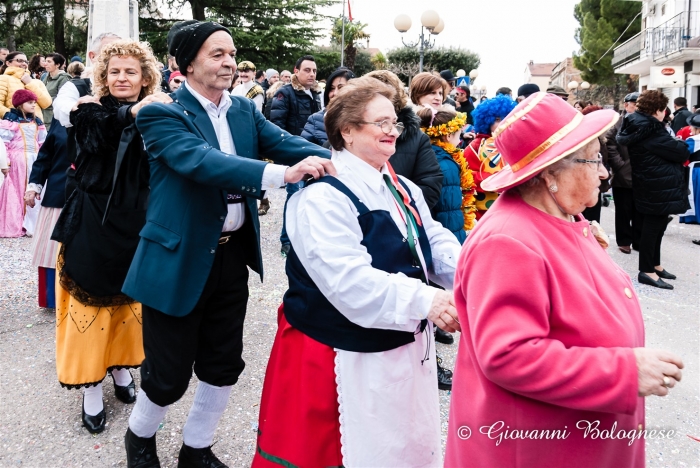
x=665, y=274
x=444, y=376
x=140, y=451
x=696, y=241
x=447, y=372
x=198, y=458
x=125, y=394
x=659, y=283
x=441, y=336
x=285, y=249
x=94, y=424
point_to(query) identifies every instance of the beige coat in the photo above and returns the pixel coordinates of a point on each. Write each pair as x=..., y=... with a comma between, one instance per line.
x=11, y=81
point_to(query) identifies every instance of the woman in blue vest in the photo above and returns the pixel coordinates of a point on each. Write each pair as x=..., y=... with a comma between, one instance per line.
x=353, y=358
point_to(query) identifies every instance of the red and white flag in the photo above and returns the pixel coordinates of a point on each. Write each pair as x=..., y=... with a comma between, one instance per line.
x=349, y=11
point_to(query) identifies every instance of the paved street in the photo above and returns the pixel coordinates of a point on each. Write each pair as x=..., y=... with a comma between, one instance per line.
x=40, y=422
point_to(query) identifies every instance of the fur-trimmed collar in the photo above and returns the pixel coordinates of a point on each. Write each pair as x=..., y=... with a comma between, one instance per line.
x=411, y=123
x=299, y=87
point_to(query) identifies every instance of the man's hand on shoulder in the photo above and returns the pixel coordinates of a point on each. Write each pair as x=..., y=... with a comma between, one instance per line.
x=84, y=100
x=312, y=167
x=150, y=99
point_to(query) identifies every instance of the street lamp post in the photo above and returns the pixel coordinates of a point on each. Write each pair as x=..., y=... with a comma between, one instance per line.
x=431, y=21
x=573, y=86
x=585, y=86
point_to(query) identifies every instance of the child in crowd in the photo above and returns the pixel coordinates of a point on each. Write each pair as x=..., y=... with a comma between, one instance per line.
x=692, y=216
x=22, y=134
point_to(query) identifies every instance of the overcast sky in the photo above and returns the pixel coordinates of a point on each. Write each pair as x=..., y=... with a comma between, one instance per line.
x=506, y=34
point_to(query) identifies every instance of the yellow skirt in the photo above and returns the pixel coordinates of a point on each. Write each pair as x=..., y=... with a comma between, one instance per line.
x=92, y=340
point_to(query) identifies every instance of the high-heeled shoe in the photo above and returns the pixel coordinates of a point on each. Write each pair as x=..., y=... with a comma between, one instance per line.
x=659, y=283
x=126, y=394
x=94, y=424
x=665, y=274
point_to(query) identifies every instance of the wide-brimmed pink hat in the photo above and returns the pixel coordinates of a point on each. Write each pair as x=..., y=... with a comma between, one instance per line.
x=540, y=131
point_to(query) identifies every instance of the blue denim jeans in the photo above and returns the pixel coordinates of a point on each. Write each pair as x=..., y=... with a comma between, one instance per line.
x=291, y=190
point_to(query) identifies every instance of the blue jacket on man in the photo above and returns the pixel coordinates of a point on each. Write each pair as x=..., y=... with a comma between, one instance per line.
x=190, y=180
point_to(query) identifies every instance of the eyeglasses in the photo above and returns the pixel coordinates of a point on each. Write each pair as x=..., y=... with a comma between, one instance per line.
x=18, y=61
x=597, y=162
x=178, y=81
x=387, y=126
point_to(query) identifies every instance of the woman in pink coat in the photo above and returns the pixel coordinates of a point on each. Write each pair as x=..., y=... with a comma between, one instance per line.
x=552, y=369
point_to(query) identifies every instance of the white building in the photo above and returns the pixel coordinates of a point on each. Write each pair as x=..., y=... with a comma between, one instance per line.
x=539, y=73
x=670, y=37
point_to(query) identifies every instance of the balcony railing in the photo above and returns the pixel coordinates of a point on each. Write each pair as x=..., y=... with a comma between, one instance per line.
x=661, y=41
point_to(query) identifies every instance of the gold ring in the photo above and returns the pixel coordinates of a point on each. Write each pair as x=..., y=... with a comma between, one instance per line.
x=667, y=382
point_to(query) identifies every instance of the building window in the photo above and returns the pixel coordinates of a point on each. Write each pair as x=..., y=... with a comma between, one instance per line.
x=663, y=9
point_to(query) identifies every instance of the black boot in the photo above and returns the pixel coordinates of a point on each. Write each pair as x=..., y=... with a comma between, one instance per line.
x=125, y=394
x=198, y=458
x=140, y=451
x=94, y=424
x=444, y=375
x=441, y=336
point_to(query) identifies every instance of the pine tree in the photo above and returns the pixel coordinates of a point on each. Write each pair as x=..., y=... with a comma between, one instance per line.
x=602, y=22
x=270, y=33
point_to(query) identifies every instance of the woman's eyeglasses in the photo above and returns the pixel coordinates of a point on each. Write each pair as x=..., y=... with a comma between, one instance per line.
x=178, y=81
x=18, y=61
x=387, y=126
x=597, y=162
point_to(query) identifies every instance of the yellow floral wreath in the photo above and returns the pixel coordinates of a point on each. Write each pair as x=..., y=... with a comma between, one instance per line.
x=466, y=182
x=448, y=128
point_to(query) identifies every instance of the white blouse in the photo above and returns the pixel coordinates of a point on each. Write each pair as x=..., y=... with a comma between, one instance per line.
x=322, y=227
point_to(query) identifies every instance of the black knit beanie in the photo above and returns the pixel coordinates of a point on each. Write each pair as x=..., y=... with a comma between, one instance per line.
x=188, y=39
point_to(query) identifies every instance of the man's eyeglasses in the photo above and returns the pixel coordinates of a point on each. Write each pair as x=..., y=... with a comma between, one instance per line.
x=18, y=61
x=597, y=162
x=387, y=126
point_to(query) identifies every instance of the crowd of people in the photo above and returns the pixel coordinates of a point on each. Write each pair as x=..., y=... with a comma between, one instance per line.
x=139, y=182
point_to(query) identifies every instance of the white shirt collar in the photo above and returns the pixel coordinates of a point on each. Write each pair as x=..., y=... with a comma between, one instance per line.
x=209, y=106
x=361, y=170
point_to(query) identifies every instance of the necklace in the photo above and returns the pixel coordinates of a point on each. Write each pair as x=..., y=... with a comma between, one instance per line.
x=466, y=182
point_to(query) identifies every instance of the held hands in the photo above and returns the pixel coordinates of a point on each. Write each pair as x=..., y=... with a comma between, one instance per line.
x=312, y=167
x=657, y=371
x=157, y=97
x=29, y=198
x=443, y=313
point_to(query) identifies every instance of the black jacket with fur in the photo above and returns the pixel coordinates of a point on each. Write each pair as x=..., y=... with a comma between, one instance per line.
x=658, y=181
x=97, y=247
x=415, y=158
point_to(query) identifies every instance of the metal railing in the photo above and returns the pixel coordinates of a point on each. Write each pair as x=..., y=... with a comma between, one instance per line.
x=661, y=41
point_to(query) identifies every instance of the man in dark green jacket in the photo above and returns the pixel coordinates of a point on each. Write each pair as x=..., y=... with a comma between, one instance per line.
x=190, y=270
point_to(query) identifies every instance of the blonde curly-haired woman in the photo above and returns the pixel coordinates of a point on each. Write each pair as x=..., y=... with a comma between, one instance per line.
x=98, y=329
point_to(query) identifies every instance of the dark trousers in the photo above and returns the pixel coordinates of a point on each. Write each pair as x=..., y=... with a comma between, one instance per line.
x=627, y=220
x=653, y=228
x=210, y=338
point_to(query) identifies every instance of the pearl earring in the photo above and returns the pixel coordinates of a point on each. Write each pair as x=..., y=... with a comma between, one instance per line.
x=553, y=188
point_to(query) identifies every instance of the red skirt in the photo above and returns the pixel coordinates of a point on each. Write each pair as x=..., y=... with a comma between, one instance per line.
x=299, y=423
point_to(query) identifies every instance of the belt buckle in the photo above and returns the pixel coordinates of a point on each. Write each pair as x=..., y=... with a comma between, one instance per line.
x=224, y=239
